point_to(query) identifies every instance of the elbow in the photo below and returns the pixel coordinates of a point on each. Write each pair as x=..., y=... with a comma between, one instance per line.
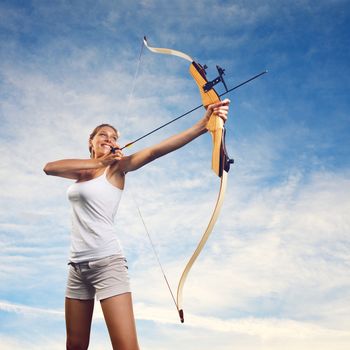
x=48, y=169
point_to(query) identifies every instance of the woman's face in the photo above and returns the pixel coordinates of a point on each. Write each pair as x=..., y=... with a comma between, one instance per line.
x=103, y=141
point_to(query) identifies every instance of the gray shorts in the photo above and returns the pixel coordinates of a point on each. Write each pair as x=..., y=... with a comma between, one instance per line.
x=104, y=278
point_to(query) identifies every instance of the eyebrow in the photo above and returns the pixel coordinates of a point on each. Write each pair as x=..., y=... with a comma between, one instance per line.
x=105, y=132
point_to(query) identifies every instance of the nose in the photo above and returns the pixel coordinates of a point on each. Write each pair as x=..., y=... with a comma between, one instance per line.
x=110, y=140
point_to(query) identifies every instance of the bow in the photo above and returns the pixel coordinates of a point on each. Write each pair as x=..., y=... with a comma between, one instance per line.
x=220, y=159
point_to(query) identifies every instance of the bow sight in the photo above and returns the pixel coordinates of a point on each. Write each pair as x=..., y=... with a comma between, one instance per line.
x=210, y=84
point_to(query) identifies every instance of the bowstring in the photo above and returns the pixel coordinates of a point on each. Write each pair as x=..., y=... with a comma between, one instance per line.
x=133, y=85
x=155, y=251
x=132, y=195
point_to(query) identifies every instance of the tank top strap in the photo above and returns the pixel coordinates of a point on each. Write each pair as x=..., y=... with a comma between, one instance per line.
x=105, y=172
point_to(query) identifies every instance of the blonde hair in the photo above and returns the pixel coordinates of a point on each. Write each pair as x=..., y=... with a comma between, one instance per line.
x=96, y=130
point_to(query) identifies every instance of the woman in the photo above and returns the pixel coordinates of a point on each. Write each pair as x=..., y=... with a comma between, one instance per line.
x=97, y=264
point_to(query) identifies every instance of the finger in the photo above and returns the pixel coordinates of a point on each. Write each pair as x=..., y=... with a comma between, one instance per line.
x=220, y=111
x=224, y=103
x=118, y=154
x=113, y=149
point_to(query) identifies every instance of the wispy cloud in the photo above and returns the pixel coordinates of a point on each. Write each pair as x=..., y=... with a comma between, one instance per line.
x=268, y=331
x=265, y=328
x=28, y=310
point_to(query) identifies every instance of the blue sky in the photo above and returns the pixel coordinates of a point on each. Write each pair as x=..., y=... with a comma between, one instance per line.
x=275, y=272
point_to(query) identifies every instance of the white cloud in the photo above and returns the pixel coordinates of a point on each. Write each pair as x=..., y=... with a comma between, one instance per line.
x=23, y=309
x=269, y=332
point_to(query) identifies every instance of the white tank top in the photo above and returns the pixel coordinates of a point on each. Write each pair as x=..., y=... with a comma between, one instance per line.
x=94, y=206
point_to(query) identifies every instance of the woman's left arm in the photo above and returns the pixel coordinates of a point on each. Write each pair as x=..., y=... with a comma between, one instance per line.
x=147, y=155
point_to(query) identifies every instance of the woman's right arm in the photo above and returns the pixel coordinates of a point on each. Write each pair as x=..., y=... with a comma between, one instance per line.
x=72, y=168
x=75, y=168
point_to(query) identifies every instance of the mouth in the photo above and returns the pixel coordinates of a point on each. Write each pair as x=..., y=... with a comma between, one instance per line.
x=106, y=146
x=109, y=147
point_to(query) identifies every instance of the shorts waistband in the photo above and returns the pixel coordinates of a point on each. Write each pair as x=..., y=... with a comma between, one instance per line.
x=81, y=264
x=95, y=262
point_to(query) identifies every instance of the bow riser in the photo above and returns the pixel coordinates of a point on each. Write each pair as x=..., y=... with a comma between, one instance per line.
x=215, y=125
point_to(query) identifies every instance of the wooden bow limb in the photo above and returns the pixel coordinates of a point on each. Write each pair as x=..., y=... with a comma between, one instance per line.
x=201, y=244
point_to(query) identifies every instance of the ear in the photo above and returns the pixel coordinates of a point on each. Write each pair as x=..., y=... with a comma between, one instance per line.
x=91, y=148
